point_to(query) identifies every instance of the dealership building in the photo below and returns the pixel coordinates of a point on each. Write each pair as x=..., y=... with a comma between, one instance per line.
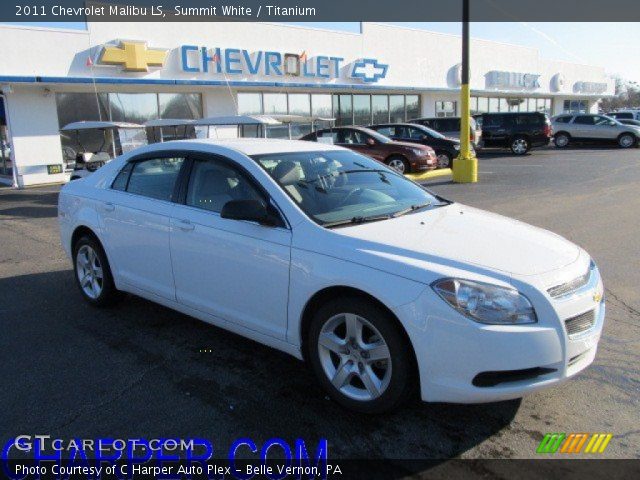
x=134, y=72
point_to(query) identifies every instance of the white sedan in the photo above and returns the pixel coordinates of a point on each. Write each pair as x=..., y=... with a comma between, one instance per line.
x=385, y=288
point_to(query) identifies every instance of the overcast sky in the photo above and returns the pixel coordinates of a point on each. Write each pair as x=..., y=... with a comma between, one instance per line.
x=615, y=46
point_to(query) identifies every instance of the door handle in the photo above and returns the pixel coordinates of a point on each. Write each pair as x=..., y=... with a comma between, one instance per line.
x=109, y=207
x=185, y=225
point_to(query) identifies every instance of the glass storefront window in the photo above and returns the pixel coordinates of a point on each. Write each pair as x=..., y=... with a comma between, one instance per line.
x=321, y=105
x=413, y=106
x=180, y=105
x=396, y=108
x=345, y=110
x=249, y=103
x=483, y=104
x=380, y=108
x=446, y=109
x=299, y=104
x=133, y=107
x=494, y=105
x=503, y=105
x=362, y=110
x=274, y=103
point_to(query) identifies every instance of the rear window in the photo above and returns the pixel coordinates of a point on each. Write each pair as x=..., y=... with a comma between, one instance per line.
x=155, y=177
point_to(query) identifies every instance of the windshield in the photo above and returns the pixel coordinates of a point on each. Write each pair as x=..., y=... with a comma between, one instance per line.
x=342, y=187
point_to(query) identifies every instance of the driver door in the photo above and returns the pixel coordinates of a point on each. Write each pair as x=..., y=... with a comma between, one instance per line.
x=235, y=270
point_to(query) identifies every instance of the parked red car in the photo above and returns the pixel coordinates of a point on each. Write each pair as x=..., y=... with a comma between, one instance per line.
x=401, y=156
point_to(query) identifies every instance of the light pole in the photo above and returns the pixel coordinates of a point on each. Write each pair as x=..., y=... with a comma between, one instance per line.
x=465, y=167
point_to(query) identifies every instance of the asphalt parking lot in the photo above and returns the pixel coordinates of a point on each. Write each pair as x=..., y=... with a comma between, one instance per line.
x=139, y=369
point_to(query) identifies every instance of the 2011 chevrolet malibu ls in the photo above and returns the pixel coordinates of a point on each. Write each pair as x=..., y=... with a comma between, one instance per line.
x=383, y=287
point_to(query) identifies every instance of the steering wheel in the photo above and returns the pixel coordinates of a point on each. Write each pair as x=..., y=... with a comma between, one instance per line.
x=351, y=194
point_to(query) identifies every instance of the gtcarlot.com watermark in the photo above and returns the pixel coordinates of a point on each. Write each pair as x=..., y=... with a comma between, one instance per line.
x=37, y=456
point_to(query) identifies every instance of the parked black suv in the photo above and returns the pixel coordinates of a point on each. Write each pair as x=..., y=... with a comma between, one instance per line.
x=517, y=131
x=446, y=148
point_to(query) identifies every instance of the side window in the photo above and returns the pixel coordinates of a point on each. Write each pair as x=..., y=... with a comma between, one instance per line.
x=155, y=178
x=212, y=184
x=352, y=137
x=387, y=131
x=415, y=134
x=120, y=183
x=332, y=134
x=584, y=120
x=601, y=121
x=493, y=121
x=564, y=119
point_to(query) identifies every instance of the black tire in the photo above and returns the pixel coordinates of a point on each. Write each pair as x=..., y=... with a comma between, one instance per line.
x=108, y=293
x=519, y=145
x=403, y=379
x=407, y=167
x=449, y=162
x=561, y=140
x=627, y=140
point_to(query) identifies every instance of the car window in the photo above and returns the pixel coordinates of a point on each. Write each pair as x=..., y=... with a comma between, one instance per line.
x=213, y=183
x=333, y=134
x=564, y=119
x=352, y=137
x=602, y=121
x=120, y=183
x=622, y=115
x=414, y=133
x=155, y=177
x=584, y=120
x=337, y=186
x=448, y=125
x=390, y=131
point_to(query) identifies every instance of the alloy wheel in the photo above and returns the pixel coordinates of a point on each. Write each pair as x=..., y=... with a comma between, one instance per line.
x=519, y=146
x=397, y=164
x=626, y=141
x=562, y=141
x=354, y=357
x=89, y=271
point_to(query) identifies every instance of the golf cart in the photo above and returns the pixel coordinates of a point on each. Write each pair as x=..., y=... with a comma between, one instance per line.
x=223, y=127
x=113, y=138
x=294, y=127
x=166, y=129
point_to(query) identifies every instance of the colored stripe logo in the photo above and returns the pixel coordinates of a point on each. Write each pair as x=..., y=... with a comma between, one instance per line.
x=574, y=443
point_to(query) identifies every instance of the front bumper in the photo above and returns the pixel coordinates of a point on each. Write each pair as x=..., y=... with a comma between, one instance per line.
x=453, y=352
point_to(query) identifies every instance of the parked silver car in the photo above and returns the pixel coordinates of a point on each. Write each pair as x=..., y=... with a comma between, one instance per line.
x=582, y=127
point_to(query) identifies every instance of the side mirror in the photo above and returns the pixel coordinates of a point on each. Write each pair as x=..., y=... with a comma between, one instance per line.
x=251, y=210
x=371, y=142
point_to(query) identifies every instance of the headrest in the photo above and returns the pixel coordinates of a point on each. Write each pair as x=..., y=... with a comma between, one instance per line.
x=287, y=173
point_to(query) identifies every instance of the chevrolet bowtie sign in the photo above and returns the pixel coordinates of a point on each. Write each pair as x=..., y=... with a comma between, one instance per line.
x=133, y=56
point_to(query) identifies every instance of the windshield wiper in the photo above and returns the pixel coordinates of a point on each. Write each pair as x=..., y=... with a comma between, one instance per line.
x=412, y=208
x=357, y=220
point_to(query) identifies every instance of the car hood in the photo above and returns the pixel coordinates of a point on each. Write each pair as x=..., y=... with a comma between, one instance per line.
x=459, y=236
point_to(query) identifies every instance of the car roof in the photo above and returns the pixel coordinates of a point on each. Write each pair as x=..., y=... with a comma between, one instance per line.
x=252, y=146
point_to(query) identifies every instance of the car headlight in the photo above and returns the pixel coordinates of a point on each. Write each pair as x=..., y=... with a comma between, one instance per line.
x=420, y=152
x=485, y=303
x=456, y=146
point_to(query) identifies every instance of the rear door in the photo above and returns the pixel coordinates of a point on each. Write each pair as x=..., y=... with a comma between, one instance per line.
x=136, y=222
x=583, y=127
x=494, y=130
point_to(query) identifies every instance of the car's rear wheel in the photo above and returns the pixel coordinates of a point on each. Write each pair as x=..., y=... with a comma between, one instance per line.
x=360, y=356
x=444, y=159
x=399, y=164
x=92, y=272
x=561, y=140
x=626, y=140
x=520, y=145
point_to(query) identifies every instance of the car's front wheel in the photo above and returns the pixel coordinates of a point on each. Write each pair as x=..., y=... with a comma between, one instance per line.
x=92, y=272
x=360, y=355
x=626, y=140
x=399, y=164
x=520, y=145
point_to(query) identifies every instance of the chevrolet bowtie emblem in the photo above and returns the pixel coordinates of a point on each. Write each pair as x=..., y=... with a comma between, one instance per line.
x=134, y=56
x=597, y=296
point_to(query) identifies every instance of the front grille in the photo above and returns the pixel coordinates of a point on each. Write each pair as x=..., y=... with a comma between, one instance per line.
x=571, y=286
x=580, y=323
